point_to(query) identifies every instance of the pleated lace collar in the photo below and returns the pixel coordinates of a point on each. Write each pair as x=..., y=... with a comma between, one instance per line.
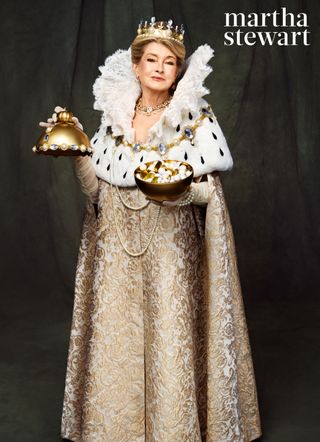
x=116, y=91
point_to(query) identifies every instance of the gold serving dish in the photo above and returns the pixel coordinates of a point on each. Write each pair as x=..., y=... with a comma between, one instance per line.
x=63, y=139
x=168, y=185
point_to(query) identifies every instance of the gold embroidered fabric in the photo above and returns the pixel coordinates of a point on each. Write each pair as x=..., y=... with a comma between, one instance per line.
x=159, y=350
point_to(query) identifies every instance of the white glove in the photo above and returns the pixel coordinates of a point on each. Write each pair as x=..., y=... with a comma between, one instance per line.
x=51, y=121
x=201, y=195
x=87, y=177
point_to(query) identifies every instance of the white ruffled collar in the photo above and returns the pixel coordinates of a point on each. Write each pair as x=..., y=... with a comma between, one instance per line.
x=116, y=91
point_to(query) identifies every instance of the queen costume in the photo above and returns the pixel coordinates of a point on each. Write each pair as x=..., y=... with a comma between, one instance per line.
x=159, y=349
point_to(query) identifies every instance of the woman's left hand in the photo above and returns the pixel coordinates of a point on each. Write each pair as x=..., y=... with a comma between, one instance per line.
x=52, y=121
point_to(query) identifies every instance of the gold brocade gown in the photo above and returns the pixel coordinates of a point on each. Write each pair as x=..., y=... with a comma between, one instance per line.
x=149, y=357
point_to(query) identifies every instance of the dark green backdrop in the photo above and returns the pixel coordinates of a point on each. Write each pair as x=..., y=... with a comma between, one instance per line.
x=267, y=102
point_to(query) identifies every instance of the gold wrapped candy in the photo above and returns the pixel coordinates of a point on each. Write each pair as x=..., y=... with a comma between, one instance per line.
x=164, y=180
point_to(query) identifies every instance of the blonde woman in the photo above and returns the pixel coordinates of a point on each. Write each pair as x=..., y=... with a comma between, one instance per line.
x=159, y=350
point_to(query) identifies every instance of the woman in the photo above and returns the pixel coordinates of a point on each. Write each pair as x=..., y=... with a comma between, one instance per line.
x=159, y=348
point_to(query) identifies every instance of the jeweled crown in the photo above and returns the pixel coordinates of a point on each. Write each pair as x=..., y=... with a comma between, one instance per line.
x=160, y=29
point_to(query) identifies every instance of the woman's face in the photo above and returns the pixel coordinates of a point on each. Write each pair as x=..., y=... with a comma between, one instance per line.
x=157, y=69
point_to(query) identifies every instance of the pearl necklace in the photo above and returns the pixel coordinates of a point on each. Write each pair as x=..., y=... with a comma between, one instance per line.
x=148, y=110
x=145, y=248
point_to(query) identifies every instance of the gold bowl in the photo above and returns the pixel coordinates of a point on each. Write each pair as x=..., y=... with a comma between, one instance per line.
x=63, y=139
x=164, y=191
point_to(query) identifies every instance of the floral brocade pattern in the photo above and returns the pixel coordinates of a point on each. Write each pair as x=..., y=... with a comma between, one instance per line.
x=159, y=350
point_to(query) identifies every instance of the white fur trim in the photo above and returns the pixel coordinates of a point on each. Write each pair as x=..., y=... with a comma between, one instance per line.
x=209, y=153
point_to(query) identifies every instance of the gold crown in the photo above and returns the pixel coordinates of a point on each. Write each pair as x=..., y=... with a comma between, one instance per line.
x=160, y=29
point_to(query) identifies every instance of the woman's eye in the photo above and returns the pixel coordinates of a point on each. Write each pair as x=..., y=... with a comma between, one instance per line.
x=151, y=59
x=171, y=63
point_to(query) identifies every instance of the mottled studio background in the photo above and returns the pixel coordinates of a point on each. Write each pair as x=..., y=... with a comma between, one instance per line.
x=267, y=102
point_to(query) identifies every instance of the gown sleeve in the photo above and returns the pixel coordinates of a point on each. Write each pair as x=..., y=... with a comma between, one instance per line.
x=87, y=177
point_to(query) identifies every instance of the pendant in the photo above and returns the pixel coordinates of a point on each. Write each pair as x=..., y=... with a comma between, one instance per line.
x=149, y=111
x=162, y=149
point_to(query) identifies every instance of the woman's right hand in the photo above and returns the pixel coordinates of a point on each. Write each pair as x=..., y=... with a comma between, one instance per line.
x=51, y=121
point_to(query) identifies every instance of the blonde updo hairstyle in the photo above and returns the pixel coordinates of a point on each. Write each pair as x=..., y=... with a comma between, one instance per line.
x=138, y=47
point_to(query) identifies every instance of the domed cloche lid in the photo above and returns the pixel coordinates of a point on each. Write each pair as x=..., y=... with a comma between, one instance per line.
x=63, y=139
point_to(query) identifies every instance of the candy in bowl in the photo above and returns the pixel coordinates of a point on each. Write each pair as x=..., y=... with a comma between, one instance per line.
x=164, y=180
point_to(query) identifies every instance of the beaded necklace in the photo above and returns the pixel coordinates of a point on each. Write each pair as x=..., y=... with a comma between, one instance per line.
x=187, y=133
